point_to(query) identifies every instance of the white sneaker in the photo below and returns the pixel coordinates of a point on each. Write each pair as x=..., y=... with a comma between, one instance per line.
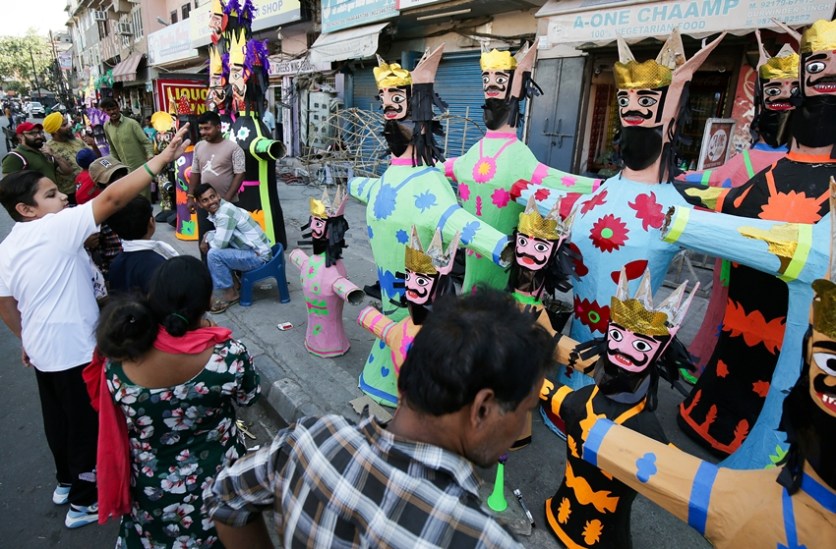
x=61, y=494
x=79, y=515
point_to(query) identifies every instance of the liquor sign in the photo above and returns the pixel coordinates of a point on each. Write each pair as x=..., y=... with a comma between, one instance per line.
x=168, y=91
x=344, y=14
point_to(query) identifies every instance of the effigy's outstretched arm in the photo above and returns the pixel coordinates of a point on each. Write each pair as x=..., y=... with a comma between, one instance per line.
x=347, y=291
x=361, y=187
x=676, y=481
x=298, y=257
x=378, y=324
x=774, y=247
x=475, y=234
x=551, y=178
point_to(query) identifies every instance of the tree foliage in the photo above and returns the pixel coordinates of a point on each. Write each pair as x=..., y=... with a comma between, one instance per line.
x=16, y=69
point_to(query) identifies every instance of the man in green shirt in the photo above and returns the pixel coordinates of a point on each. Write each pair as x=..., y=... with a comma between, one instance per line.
x=65, y=145
x=126, y=139
x=33, y=154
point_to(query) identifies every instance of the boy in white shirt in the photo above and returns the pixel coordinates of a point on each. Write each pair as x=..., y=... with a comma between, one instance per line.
x=47, y=300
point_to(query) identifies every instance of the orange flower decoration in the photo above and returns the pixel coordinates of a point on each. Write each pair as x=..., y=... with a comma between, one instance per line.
x=592, y=531
x=792, y=207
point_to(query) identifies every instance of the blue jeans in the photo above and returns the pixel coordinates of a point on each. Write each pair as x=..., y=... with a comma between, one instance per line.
x=222, y=261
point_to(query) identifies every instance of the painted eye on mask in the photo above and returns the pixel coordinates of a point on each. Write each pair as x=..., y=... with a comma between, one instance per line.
x=541, y=247
x=486, y=80
x=421, y=281
x=772, y=92
x=522, y=241
x=642, y=346
x=826, y=362
x=623, y=102
x=647, y=101
x=794, y=90
x=615, y=335
x=501, y=80
x=398, y=98
x=815, y=67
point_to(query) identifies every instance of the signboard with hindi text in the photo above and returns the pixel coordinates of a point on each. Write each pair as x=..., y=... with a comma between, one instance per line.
x=575, y=22
x=345, y=14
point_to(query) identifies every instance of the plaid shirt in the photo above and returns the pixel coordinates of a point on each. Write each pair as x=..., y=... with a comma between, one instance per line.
x=331, y=483
x=235, y=228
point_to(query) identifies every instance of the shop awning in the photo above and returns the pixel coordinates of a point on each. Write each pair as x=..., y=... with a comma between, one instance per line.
x=599, y=22
x=357, y=43
x=125, y=71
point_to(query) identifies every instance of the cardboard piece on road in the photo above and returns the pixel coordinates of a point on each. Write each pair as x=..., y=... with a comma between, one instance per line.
x=379, y=412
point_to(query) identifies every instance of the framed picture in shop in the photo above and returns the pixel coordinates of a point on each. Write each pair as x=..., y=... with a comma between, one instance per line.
x=716, y=143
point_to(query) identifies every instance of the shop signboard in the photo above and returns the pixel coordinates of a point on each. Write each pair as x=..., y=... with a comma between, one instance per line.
x=601, y=21
x=345, y=14
x=409, y=4
x=170, y=44
x=169, y=90
x=279, y=67
x=268, y=14
x=716, y=143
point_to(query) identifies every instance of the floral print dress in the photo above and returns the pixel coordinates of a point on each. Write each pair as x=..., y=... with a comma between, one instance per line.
x=180, y=437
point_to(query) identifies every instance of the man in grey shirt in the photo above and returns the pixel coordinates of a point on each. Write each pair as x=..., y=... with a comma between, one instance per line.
x=218, y=162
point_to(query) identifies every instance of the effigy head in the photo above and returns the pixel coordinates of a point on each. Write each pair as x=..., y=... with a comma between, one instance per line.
x=812, y=124
x=638, y=334
x=538, y=238
x=506, y=80
x=393, y=83
x=425, y=270
x=649, y=101
x=777, y=94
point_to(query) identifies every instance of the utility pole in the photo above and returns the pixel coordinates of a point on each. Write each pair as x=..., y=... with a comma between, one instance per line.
x=66, y=98
x=34, y=72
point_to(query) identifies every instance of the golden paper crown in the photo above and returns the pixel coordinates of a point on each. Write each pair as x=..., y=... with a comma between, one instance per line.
x=819, y=37
x=326, y=207
x=237, y=48
x=217, y=7
x=824, y=307
x=215, y=63
x=496, y=60
x=435, y=260
x=649, y=75
x=391, y=76
x=534, y=225
x=419, y=262
x=780, y=68
x=635, y=317
x=640, y=316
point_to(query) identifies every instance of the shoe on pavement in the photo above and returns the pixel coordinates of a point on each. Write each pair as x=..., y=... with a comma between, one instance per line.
x=79, y=515
x=61, y=494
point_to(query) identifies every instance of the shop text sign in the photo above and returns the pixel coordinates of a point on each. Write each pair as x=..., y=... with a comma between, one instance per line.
x=344, y=14
x=169, y=91
x=296, y=66
x=699, y=17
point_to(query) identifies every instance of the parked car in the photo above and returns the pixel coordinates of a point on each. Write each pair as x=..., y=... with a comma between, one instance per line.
x=58, y=107
x=36, y=109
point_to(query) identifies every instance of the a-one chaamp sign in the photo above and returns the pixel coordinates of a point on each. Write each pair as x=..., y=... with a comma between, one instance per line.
x=169, y=91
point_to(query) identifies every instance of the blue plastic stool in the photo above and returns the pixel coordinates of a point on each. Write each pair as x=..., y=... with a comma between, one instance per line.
x=272, y=269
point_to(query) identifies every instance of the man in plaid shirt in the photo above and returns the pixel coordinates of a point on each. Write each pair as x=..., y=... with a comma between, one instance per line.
x=472, y=374
x=236, y=244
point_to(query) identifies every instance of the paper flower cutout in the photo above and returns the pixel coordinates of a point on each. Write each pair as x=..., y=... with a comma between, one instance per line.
x=609, y=233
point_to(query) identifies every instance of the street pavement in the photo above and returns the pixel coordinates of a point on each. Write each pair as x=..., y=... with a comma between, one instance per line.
x=294, y=384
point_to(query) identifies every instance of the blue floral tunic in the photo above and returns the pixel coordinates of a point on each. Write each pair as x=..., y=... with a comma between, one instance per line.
x=180, y=437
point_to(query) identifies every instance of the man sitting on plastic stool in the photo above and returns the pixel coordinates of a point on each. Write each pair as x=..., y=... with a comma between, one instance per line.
x=236, y=244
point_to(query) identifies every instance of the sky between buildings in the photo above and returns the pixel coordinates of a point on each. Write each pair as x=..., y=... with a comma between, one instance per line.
x=42, y=15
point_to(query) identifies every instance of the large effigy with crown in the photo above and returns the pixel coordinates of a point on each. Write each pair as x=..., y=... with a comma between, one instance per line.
x=238, y=80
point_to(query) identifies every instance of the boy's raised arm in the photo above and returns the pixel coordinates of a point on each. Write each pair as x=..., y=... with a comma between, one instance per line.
x=115, y=196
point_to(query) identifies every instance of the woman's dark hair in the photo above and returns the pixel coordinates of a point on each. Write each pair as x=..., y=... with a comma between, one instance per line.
x=177, y=300
x=131, y=222
x=472, y=343
x=19, y=188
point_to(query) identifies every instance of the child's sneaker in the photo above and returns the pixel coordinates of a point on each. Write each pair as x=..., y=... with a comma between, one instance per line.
x=61, y=494
x=79, y=515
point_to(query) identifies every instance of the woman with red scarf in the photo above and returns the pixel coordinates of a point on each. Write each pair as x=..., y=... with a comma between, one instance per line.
x=167, y=420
